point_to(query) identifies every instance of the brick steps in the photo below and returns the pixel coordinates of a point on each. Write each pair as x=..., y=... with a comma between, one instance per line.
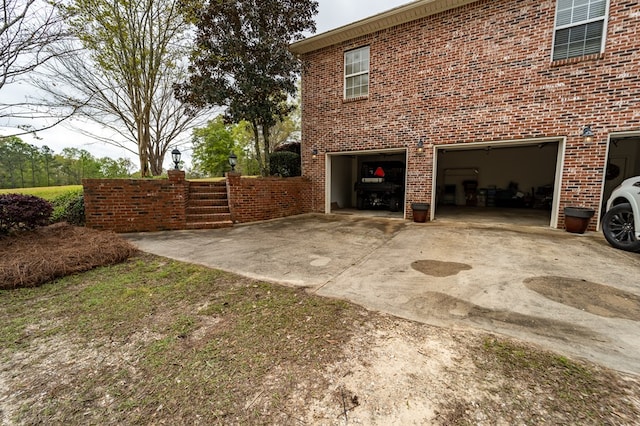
x=208, y=206
x=202, y=209
x=209, y=225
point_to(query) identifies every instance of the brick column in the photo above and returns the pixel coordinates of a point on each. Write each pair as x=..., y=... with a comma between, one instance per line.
x=176, y=176
x=233, y=192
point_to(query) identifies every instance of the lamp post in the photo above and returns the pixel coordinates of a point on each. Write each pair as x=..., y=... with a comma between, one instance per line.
x=175, y=156
x=233, y=160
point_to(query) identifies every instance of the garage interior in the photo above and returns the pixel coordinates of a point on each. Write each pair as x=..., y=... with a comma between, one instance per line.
x=623, y=163
x=347, y=169
x=501, y=184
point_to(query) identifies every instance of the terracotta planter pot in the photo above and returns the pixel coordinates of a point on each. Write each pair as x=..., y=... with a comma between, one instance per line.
x=420, y=212
x=576, y=219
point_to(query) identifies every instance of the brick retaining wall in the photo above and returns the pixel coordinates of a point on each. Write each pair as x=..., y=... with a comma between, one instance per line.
x=136, y=205
x=141, y=205
x=267, y=198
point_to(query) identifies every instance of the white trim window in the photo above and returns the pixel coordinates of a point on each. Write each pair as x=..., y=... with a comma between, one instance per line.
x=356, y=73
x=580, y=28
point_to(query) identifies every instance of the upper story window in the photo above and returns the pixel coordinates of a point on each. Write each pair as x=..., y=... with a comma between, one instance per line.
x=356, y=73
x=580, y=27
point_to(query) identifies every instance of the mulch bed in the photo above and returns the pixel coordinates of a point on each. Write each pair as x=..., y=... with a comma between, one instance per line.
x=32, y=258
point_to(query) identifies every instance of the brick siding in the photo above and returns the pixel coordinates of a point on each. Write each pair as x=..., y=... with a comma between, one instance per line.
x=477, y=73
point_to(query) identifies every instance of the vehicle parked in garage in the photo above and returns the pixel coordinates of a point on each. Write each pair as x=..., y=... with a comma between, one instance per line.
x=621, y=222
x=380, y=185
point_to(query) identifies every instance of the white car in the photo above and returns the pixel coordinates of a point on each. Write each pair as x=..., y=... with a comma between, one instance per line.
x=621, y=222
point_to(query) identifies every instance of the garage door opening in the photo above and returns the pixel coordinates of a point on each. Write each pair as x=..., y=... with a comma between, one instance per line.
x=499, y=183
x=367, y=183
x=623, y=163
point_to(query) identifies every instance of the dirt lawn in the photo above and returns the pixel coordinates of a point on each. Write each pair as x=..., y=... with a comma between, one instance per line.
x=156, y=341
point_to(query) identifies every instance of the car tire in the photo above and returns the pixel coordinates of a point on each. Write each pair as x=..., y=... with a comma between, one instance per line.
x=394, y=205
x=618, y=228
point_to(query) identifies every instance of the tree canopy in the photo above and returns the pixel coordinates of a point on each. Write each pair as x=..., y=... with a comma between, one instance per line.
x=241, y=60
x=24, y=165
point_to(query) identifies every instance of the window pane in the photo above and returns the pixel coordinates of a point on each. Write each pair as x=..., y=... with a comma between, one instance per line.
x=580, y=13
x=562, y=36
x=565, y=4
x=598, y=9
x=577, y=33
x=592, y=46
x=575, y=49
x=560, y=52
x=357, y=67
x=594, y=29
x=580, y=2
x=564, y=17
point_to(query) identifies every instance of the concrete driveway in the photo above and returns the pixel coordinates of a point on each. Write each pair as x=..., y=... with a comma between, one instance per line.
x=567, y=292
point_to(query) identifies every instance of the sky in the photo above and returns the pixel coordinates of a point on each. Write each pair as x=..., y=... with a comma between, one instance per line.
x=331, y=14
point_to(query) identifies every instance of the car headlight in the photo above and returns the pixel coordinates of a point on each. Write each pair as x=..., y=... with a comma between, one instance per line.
x=637, y=183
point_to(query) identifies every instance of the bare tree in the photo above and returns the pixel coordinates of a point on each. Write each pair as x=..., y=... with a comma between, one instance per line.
x=122, y=78
x=28, y=30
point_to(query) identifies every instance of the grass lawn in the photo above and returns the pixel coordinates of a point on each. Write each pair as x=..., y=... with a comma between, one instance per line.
x=46, y=192
x=156, y=341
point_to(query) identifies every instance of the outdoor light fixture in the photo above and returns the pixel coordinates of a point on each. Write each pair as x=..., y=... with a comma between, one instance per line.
x=233, y=160
x=314, y=151
x=420, y=145
x=587, y=134
x=175, y=156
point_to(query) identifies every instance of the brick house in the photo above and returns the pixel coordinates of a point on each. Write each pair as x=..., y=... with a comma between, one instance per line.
x=484, y=102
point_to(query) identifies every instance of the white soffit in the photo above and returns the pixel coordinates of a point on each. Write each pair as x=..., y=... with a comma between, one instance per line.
x=397, y=16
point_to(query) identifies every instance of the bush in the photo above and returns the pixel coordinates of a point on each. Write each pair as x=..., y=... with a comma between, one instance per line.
x=20, y=211
x=285, y=164
x=69, y=207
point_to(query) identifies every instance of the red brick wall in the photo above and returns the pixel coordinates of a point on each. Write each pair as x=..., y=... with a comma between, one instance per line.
x=136, y=205
x=478, y=73
x=140, y=205
x=254, y=199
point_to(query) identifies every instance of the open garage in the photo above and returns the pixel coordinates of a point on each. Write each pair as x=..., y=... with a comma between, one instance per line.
x=369, y=181
x=623, y=161
x=499, y=182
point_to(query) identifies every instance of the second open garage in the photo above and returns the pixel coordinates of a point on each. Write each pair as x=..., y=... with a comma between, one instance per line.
x=516, y=182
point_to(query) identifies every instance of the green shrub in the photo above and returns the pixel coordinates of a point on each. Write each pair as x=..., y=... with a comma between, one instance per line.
x=285, y=164
x=19, y=211
x=69, y=207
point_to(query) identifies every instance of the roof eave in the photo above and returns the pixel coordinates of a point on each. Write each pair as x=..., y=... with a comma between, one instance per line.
x=397, y=16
